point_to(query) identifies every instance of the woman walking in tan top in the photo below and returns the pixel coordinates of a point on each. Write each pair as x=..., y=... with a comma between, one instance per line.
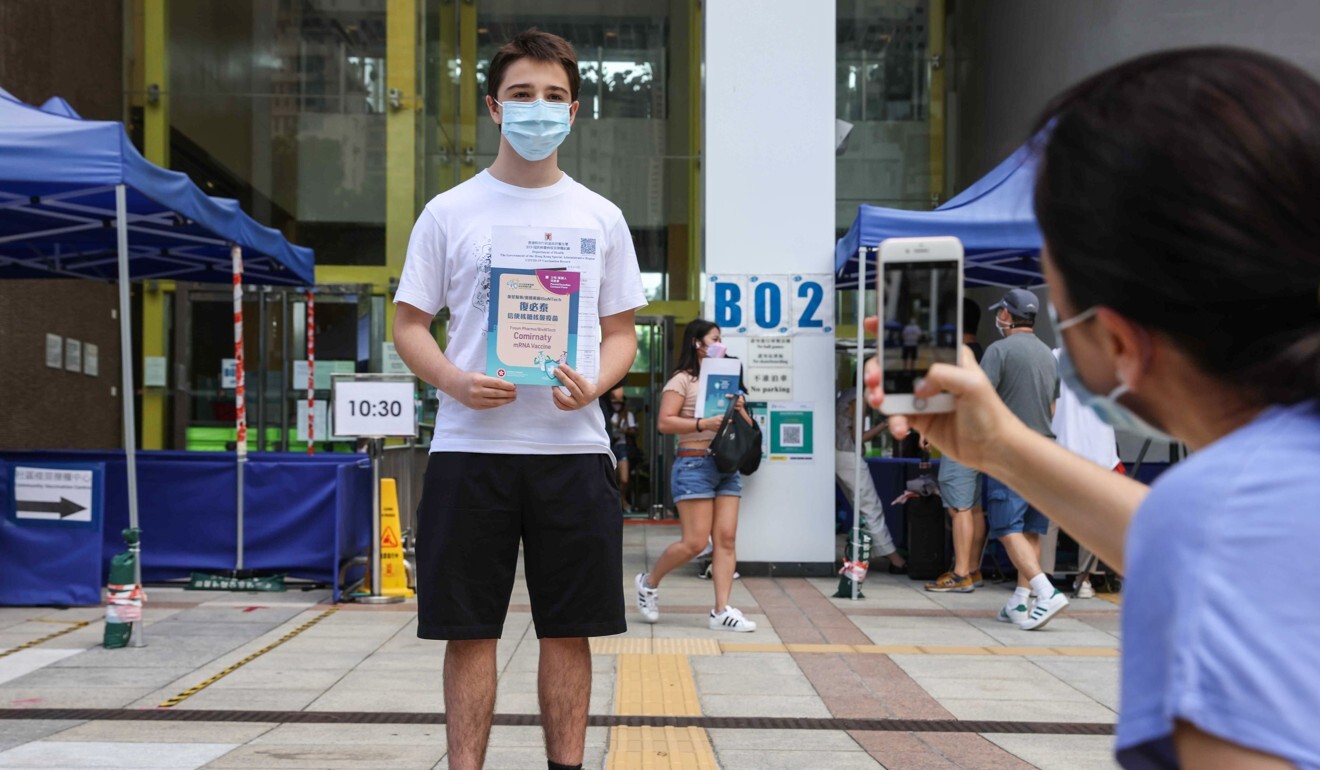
x=707, y=499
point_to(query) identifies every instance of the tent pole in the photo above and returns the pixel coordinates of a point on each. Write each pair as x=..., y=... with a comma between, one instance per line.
x=859, y=461
x=236, y=255
x=135, y=638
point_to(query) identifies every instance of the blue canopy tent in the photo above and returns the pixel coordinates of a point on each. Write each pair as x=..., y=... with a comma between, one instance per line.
x=996, y=224
x=993, y=218
x=78, y=200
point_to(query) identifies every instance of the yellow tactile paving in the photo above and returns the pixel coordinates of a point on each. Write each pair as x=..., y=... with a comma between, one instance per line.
x=660, y=748
x=646, y=646
x=739, y=647
x=888, y=649
x=1088, y=652
x=656, y=685
x=1022, y=651
x=821, y=648
x=686, y=647
x=1111, y=598
x=618, y=645
x=953, y=650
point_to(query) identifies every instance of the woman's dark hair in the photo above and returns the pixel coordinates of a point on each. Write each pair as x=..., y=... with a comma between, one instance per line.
x=687, y=354
x=1182, y=190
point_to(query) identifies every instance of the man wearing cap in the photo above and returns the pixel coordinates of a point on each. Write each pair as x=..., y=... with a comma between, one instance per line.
x=1025, y=374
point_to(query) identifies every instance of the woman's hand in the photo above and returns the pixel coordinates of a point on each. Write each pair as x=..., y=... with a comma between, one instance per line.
x=969, y=433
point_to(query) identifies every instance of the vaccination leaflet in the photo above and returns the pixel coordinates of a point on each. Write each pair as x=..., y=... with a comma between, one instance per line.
x=533, y=324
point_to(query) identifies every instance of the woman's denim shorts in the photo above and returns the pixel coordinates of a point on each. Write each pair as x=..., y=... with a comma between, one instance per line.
x=697, y=478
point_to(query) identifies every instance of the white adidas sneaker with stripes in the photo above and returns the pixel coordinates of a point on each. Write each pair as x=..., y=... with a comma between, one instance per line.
x=731, y=619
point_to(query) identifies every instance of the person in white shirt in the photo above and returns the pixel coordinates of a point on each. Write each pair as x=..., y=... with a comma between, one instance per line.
x=1077, y=428
x=912, y=335
x=515, y=463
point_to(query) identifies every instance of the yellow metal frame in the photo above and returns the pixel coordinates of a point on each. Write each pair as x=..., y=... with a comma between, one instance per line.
x=938, y=95
x=155, y=69
x=696, y=55
x=401, y=129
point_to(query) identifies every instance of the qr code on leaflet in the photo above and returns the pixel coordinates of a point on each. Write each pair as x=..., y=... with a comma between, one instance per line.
x=588, y=246
x=791, y=436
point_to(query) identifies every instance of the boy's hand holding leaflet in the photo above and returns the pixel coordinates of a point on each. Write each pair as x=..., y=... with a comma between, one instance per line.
x=577, y=391
x=479, y=391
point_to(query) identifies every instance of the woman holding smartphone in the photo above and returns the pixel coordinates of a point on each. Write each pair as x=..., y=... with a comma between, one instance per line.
x=1177, y=199
x=707, y=500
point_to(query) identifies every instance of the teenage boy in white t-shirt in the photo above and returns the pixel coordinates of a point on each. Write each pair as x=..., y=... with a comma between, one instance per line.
x=517, y=463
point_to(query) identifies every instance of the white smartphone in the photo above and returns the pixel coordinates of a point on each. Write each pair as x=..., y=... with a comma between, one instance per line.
x=919, y=291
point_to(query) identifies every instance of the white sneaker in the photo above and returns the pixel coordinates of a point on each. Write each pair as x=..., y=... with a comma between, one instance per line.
x=1044, y=610
x=1016, y=614
x=647, y=599
x=731, y=619
x=708, y=550
x=1083, y=591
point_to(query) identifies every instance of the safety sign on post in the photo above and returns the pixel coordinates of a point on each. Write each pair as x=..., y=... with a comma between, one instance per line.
x=393, y=573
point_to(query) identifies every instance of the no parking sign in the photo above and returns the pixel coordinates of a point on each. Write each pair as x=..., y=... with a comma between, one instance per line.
x=759, y=305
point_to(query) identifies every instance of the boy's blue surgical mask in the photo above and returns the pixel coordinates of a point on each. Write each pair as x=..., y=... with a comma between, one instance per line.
x=534, y=129
x=1106, y=407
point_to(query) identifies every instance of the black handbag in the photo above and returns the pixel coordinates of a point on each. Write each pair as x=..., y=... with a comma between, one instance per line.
x=737, y=443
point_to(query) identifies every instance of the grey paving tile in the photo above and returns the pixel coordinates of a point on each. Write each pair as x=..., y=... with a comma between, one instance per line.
x=755, y=685
x=23, y=663
x=740, y=706
x=60, y=678
x=923, y=667
x=313, y=734
x=335, y=661
x=1060, y=752
x=1036, y=688
x=1098, y=678
x=166, y=653
x=15, y=732
x=253, y=676
x=795, y=760
x=1062, y=631
x=69, y=697
x=99, y=754
x=164, y=732
x=251, y=699
x=746, y=663
x=1028, y=710
x=730, y=740
x=345, y=699
x=386, y=756
x=392, y=680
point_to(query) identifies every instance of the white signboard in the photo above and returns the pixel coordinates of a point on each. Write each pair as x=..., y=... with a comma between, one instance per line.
x=73, y=355
x=54, y=351
x=373, y=406
x=770, y=351
x=390, y=363
x=52, y=494
x=770, y=383
x=771, y=305
x=153, y=371
x=91, y=360
x=229, y=372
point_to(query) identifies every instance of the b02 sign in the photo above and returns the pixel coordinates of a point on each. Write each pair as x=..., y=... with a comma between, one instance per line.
x=373, y=406
x=757, y=305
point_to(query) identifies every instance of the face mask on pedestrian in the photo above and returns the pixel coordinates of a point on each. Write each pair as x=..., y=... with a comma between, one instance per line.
x=1106, y=407
x=616, y=406
x=534, y=129
x=716, y=350
x=1002, y=326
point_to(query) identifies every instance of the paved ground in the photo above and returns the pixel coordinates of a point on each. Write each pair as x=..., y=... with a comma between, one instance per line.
x=824, y=683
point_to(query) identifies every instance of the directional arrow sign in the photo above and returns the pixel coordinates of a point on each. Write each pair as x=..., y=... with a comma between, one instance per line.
x=52, y=494
x=64, y=508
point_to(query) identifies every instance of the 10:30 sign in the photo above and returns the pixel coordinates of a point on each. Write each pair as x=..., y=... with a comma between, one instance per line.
x=771, y=304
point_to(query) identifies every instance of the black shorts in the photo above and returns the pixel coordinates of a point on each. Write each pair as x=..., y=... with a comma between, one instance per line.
x=474, y=510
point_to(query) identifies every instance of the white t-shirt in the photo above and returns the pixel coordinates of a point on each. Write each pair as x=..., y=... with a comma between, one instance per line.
x=1081, y=431
x=911, y=335
x=448, y=265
